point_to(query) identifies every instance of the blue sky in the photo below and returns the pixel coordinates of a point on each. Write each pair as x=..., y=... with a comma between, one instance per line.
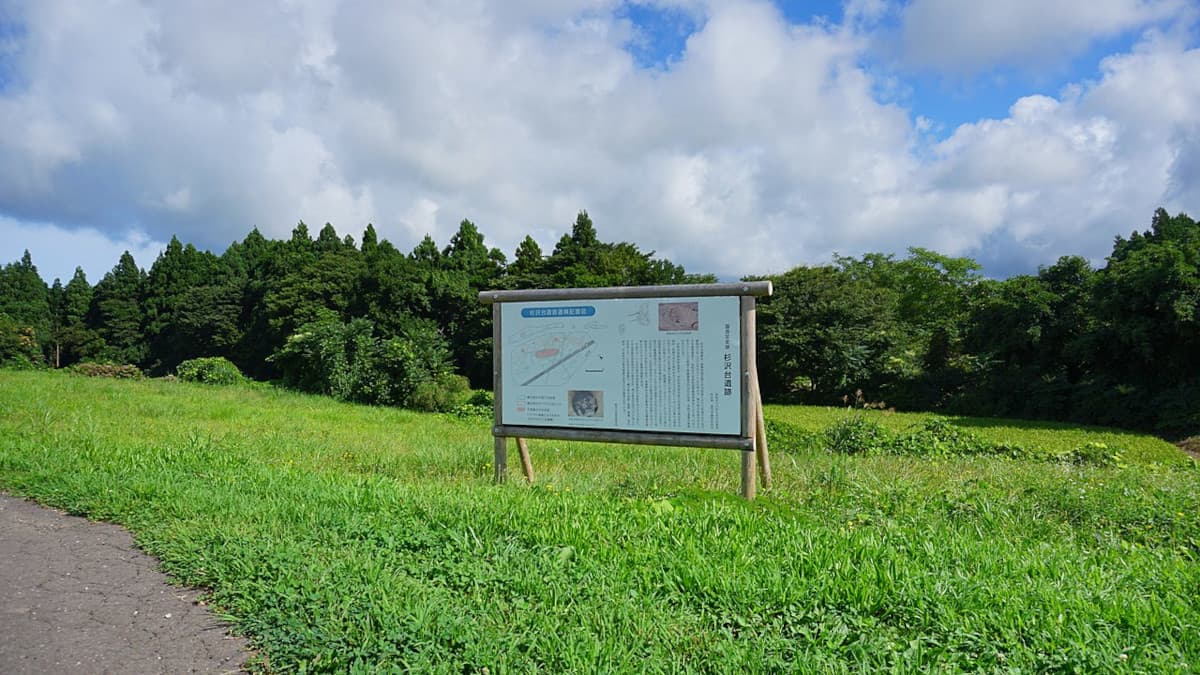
x=11, y=37
x=733, y=136
x=948, y=99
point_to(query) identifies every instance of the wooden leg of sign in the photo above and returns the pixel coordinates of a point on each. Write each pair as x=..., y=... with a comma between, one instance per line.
x=501, y=462
x=749, y=480
x=526, y=464
x=760, y=441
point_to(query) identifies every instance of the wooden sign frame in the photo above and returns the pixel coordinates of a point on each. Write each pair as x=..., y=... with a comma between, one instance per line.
x=752, y=439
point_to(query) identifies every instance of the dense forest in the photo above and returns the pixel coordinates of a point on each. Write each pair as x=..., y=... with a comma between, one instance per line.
x=368, y=322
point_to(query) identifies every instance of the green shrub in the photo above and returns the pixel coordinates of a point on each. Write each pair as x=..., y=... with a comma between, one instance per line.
x=482, y=398
x=857, y=436
x=19, y=346
x=1095, y=453
x=118, y=371
x=20, y=362
x=479, y=405
x=940, y=436
x=350, y=362
x=442, y=394
x=210, y=370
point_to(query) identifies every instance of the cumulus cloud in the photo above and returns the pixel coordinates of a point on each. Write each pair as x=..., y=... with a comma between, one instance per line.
x=762, y=146
x=1074, y=171
x=966, y=38
x=59, y=251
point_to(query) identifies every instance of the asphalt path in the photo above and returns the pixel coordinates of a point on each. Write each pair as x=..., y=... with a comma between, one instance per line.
x=78, y=596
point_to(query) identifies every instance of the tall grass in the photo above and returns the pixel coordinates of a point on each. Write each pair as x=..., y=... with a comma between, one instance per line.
x=343, y=537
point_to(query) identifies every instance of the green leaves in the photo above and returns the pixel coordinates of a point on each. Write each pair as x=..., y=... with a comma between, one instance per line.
x=821, y=333
x=857, y=435
x=1117, y=346
x=19, y=346
x=210, y=370
x=118, y=315
x=350, y=362
x=25, y=300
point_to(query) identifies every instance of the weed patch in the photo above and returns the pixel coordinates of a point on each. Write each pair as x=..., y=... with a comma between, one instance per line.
x=857, y=436
x=940, y=437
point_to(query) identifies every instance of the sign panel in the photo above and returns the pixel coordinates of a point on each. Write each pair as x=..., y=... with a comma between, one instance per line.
x=630, y=364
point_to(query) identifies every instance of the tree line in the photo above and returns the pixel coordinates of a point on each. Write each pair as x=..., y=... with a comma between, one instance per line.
x=1117, y=345
x=364, y=322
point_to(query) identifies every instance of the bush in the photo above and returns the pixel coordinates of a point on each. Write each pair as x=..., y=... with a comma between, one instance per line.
x=936, y=437
x=21, y=362
x=940, y=436
x=443, y=394
x=19, y=346
x=351, y=363
x=1177, y=412
x=857, y=435
x=479, y=405
x=118, y=371
x=210, y=370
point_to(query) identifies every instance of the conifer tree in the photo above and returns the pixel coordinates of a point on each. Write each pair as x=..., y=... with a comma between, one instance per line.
x=117, y=313
x=25, y=299
x=75, y=340
x=528, y=268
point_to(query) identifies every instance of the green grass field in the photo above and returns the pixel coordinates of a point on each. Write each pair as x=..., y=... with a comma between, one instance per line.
x=1051, y=437
x=342, y=538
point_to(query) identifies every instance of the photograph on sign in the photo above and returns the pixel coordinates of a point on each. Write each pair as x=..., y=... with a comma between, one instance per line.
x=586, y=403
x=635, y=364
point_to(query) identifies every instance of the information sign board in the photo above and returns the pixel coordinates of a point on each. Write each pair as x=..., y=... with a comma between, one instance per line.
x=655, y=365
x=633, y=364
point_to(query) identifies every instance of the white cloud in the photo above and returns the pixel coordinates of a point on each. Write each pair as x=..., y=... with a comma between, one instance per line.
x=966, y=38
x=1041, y=144
x=1183, y=185
x=57, y=251
x=179, y=200
x=1077, y=170
x=763, y=146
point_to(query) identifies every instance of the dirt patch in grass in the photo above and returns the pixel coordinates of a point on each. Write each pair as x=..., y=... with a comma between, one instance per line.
x=1191, y=446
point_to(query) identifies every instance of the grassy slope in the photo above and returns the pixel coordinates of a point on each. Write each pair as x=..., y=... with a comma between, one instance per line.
x=341, y=536
x=1050, y=436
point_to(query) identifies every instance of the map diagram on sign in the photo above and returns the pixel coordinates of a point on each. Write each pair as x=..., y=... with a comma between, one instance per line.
x=550, y=359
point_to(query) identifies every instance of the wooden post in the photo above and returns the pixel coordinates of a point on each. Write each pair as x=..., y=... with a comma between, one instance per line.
x=526, y=464
x=749, y=480
x=760, y=424
x=760, y=440
x=753, y=394
x=501, y=459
